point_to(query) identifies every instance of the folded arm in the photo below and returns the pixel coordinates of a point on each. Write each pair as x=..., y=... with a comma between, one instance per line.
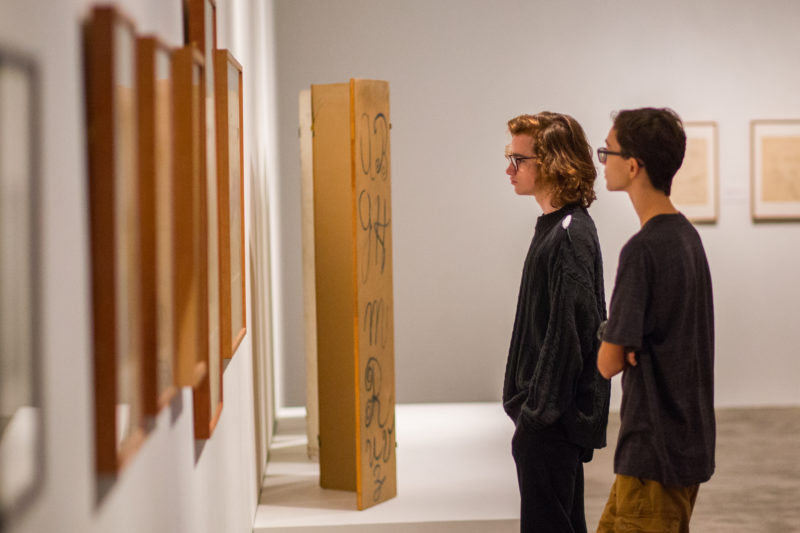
x=611, y=359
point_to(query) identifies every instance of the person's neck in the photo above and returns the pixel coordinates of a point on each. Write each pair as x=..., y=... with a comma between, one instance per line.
x=544, y=199
x=649, y=202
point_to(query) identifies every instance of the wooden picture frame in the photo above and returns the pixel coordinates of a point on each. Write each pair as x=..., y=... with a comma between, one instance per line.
x=156, y=149
x=695, y=187
x=191, y=320
x=775, y=169
x=201, y=25
x=230, y=172
x=115, y=246
x=22, y=458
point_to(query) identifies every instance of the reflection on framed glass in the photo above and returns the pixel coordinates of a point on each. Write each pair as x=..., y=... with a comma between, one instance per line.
x=21, y=424
x=154, y=91
x=115, y=244
x=231, y=199
x=775, y=173
x=695, y=188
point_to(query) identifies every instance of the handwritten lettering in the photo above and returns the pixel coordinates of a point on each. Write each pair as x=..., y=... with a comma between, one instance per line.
x=376, y=322
x=380, y=441
x=373, y=217
x=378, y=135
x=373, y=239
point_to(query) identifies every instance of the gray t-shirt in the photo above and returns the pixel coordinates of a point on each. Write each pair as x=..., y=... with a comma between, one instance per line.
x=662, y=307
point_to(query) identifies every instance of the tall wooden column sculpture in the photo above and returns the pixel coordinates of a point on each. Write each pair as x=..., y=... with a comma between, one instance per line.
x=355, y=318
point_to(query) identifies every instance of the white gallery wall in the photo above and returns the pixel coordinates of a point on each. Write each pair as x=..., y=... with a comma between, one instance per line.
x=173, y=483
x=458, y=70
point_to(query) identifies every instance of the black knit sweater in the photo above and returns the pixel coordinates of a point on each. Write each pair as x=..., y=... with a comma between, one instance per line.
x=551, y=374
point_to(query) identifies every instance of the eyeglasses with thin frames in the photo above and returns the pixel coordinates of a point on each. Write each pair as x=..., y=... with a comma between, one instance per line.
x=515, y=159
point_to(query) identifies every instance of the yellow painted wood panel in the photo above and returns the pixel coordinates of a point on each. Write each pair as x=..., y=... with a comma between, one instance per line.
x=333, y=250
x=353, y=274
x=377, y=467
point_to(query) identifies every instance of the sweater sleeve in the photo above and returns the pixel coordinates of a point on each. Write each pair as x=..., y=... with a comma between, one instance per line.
x=573, y=317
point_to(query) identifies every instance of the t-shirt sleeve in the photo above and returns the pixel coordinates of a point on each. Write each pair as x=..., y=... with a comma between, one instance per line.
x=560, y=360
x=629, y=300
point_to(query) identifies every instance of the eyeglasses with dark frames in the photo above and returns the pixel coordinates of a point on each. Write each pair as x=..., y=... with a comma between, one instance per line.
x=603, y=153
x=515, y=159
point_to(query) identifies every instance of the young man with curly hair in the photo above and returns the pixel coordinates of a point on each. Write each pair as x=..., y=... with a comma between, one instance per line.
x=660, y=335
x=553, y=391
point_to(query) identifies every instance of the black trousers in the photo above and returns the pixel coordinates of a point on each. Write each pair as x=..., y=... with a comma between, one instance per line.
x=550, y=475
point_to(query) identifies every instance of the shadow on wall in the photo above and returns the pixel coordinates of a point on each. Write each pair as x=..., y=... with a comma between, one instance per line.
x=261, y=314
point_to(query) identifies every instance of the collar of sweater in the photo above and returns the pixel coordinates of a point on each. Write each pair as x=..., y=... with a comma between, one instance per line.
x=545, y=222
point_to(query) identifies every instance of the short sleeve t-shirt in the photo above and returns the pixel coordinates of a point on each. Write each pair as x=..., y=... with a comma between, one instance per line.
x=662, y=308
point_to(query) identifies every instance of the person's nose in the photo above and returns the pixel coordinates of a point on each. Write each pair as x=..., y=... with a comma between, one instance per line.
x=510, y=170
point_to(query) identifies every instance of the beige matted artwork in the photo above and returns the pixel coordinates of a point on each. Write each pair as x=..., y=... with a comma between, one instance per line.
x=775, y=172
x=695, y=188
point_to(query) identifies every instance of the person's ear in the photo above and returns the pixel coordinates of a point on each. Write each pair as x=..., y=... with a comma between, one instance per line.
x=633, y=167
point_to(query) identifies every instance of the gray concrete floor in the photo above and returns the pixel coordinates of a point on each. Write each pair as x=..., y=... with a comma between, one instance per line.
x=756, y=486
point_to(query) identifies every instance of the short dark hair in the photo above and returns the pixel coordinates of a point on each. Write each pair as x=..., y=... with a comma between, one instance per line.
x=656, y=138
x=563, y=153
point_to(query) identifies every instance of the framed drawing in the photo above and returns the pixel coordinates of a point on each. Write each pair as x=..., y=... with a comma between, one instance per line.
x=201, y=26
x=154, y=91
x=775, y=172
x=21, y=417
x=231, y=199
x=115, y=245
x=695, y=188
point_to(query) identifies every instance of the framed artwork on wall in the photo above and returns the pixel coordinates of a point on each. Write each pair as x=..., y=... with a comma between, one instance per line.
x=231, y=199
x=695, y=188
x=191, y=320
x=114, y=199
x=155, y=91
x=201, y=28
x=775, y=172
x=21, y=409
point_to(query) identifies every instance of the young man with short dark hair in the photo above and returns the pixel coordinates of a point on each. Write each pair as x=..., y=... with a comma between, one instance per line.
x=660, y=334
x=553, y=391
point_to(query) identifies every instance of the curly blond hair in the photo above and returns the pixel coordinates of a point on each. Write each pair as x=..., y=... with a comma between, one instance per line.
x=563, y=155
